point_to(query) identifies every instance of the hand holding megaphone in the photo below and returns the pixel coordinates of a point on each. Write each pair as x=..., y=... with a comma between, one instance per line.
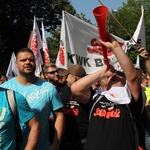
x=111, y=43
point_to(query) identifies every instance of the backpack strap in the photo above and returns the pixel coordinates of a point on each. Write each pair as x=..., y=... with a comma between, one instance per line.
x=13, y=107
x=133, y=121
x=12, y=102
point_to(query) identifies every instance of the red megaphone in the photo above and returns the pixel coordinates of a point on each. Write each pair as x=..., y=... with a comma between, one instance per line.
x=101, y=14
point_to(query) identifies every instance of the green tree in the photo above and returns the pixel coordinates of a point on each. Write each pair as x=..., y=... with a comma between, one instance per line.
x=17, y=22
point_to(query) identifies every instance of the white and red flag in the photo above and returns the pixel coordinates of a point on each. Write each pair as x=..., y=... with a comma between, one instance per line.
x=45, y=47
x=36, y=45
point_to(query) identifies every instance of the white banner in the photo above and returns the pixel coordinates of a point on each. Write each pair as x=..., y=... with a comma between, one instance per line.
x=79, y=45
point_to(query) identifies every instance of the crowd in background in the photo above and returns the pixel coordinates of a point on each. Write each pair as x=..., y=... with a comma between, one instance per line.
x=70, y=110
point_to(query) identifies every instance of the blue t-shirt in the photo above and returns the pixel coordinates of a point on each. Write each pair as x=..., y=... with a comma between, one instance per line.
x=43, y=99
x=7, y=123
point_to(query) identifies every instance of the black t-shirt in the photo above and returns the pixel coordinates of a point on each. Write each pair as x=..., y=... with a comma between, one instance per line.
x=77, y=120
x=110, y=126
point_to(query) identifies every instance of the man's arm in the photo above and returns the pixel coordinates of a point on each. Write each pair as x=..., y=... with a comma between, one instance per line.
x=59, y=128
x=126, y=64
x=144, y=54
x=147, y=64
x=33, y=134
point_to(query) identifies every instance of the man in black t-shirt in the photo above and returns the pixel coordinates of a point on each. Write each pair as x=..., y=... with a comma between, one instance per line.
x=76, y=113
x=111, y=125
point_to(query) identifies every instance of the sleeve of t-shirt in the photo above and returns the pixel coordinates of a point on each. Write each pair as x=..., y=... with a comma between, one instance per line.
x=56, y=102
x=24, y=111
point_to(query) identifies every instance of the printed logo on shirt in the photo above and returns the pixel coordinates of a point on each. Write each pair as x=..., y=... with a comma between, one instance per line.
x=37, y=94
x=71, y=108
x=107, y=110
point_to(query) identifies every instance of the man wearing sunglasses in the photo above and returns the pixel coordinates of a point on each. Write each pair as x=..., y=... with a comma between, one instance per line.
x=51, y=74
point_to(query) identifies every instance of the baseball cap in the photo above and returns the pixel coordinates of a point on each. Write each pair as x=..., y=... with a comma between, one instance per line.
x=77, y=70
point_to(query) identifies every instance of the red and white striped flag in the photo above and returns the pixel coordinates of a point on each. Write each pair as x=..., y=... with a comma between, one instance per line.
x=45, y=47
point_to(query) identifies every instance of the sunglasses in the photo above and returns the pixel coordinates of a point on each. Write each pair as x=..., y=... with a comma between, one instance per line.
x=52, y=72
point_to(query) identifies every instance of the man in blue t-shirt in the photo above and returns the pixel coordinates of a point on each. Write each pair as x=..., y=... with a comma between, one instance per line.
x=41, y=96
x=8, y=128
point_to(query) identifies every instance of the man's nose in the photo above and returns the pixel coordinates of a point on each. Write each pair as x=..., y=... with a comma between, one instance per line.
x=27, y=61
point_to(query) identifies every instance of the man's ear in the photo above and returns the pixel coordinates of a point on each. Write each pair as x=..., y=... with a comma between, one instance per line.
x=16, y=64
x=45, y=75
x=75, y=78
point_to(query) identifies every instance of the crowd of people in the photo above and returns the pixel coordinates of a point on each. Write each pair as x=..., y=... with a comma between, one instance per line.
x=66, y=109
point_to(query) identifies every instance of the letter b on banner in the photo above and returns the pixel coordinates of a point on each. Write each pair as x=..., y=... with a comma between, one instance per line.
x=98, y=62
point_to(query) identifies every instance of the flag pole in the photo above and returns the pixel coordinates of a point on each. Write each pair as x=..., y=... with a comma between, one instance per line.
x=138, y=45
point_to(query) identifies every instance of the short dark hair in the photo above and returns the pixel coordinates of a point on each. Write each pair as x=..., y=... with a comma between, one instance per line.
x=25, y=49
x=51, y=65
x=77, y=70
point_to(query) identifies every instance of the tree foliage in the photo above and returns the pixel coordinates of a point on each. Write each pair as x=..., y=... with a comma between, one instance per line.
x=17, y=22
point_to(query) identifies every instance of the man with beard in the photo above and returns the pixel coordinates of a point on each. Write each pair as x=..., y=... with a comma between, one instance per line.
x=41, y=96
x=51, y=74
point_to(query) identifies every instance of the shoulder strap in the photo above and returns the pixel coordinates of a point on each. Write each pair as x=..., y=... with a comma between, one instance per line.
x=98, y=99
x=134, y=127
x=13, y=107
x=12, y=102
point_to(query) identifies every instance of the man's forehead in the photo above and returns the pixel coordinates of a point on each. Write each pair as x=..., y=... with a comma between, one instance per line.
x=51, y=68
x=25, y=55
